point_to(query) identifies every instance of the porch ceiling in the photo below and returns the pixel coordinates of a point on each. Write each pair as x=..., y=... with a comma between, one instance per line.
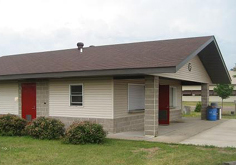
x=189, y=83
x=214, y=64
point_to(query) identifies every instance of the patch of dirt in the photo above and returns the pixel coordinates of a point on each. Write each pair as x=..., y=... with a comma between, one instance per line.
x=173, y=146
x=226, y=152
x=150, y=151
x=218, y=150
x=204, y=149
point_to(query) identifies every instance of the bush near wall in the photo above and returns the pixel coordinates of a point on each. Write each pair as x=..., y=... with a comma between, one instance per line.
x=45, y=128
x=84, y=132
x=198, y=107
x=12, y=125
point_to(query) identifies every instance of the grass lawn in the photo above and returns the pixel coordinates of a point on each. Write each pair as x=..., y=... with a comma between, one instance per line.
x=193, y=103
x=25, y=150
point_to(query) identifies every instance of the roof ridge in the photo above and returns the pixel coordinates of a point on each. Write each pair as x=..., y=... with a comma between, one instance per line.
x=155, y=41
x=48, y=51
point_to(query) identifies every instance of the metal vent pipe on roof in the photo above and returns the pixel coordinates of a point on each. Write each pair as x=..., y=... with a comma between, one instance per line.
x=80, y=46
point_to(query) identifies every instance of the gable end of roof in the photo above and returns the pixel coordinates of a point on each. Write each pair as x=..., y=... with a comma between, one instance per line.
x=211, y=58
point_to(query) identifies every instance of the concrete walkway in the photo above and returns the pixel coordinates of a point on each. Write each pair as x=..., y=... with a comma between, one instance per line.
x=221, y=133
x=177, y=132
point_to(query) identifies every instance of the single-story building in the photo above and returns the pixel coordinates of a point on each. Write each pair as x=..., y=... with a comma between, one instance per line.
x=124, y=87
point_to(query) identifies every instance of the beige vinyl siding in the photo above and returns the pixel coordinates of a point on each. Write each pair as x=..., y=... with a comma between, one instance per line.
x=97, y=98
x=9, y=98
x=121, y=96
x=197, y=74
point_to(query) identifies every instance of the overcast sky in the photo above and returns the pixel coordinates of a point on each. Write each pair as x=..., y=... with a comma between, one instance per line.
x=41, y=25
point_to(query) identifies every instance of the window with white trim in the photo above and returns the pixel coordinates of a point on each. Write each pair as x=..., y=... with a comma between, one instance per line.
x=136, y=97
x=76, y=95
x=173, y=97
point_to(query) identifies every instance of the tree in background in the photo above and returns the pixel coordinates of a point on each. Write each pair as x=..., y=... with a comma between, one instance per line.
x=234, y=69
x=224, y=91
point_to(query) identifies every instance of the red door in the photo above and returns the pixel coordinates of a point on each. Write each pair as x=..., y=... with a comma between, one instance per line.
x=28, y=101
x=164, y=110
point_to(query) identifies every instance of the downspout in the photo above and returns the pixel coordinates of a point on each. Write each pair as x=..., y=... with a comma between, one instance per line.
x=154, y=107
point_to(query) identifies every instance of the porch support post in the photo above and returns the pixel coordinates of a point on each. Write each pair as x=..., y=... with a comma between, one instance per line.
x=151, y=105
x=205, y=100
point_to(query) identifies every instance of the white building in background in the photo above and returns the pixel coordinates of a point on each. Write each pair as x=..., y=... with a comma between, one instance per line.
x=193, y=93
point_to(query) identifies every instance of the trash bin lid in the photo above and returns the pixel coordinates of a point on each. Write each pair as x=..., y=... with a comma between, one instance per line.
x=214, y=104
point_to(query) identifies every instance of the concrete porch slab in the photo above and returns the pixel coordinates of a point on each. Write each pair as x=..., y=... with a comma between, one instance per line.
x=222, y=135
x=188, y=127
x=174, y=133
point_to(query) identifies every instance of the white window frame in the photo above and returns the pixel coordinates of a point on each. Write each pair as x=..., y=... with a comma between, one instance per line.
x=129, y=84
x=173, y=97
x=70, y=98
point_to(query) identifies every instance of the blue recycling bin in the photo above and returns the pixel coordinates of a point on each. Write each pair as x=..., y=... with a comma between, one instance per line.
x=212, y=114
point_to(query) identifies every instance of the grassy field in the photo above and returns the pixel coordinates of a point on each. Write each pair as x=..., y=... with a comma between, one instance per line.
x=25, y=150
x=193, y=103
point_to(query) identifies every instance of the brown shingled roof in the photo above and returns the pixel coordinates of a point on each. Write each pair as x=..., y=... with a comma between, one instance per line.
x=153, y=54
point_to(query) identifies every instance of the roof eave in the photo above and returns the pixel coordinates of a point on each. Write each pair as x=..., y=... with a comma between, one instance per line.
x=223, y=62
x=113, y=72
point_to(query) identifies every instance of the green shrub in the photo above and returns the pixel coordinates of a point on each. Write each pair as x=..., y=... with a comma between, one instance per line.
x=84, y=132
x=12, y=125
x=198, y=107
x=45, y=128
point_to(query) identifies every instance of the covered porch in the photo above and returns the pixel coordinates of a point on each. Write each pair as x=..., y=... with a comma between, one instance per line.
x=176, y=132
x=147, y=103
x=160, y=97
x=157, y=97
